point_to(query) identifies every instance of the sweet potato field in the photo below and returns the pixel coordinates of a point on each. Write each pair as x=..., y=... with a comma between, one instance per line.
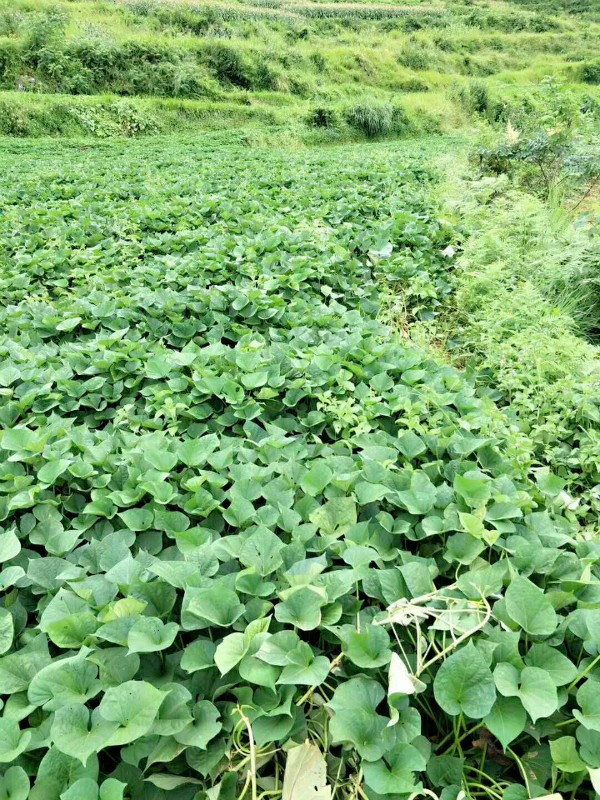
x=254, y=543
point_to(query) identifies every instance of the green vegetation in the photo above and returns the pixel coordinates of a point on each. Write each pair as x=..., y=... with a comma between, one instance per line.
x=302, y=56
x=299, y=400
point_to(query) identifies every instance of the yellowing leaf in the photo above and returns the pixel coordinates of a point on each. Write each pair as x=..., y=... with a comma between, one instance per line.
x=305, y=776
x=401, y=681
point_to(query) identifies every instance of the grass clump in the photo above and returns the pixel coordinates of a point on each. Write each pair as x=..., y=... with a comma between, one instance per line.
x=371, y=119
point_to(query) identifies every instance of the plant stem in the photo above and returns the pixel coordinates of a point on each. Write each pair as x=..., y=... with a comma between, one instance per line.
x=252, y=770
x=583, y=673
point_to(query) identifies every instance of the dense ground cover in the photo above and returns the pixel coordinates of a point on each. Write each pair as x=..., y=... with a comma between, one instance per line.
x=240, y=513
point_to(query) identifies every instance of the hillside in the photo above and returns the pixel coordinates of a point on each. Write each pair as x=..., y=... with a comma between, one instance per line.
x=277, y=62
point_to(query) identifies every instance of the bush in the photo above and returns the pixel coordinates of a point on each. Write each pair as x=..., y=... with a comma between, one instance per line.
x=519, y=286
x=544, y=154
x=371, y=119
x=48, y=29
x=10, y=23
x=323, y=117
x=413, y=85
x=318, y=59
x=228, y=65
x=590, y=72
x=415, y=57
x=474, y=97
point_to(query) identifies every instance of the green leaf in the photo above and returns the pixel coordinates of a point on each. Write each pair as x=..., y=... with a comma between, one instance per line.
x=75, y=735
x=199, y=655
x=195, y=452
x=588, y=698
x=150, y=634
x=13, y=740
x=168, y=782
x=17, y=669
x=420, y=498
x=464, y=683
x=316, y=479
x=64, y=681
x=474, y=491
x=302, y=609
x=253, y=670
x=7, y=630
x=356, y=721
x=565, y=756
x=559, y=668
x=335, y=516
x=10, y=546
x=276, y=648
x=305, y=671
x=158, y=367
x=472, y=524
x=395, y=774
x=369, y=492
x=206, y=726
x=68, y=324
x=14, y=784
x=411, y=445
x=369, y=648
x=445, y=770
x=52, y=470
x=203, y=608
x=160, y=458
x=549, y=484
x=230, y=652
x=137, y=519
x=262, y=550
x=17, y=438
x=533, y=686
x=527, y=605
x=134, y=706
x=506, y=720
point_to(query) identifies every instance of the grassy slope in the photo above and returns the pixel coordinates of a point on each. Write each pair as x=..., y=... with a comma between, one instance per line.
x=257, y=57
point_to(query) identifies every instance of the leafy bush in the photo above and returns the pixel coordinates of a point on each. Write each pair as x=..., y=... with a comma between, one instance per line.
x=474, y=97
x=590, y=72
x=11, y=22
x=323, y=117
x=546, y=155
x=525, y=302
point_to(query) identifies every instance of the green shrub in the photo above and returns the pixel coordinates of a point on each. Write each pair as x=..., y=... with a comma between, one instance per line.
x=474, y=97
x=372, y=119
x=227, y=65
x=318, y=59
x=48, y=29
x=13, y=120
x=11, y=23
x=590, y=72
x=543, y=151
x=413, y=85
x=265, y=77
x=415, y=57
x=323, y=117
x=526, y=288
